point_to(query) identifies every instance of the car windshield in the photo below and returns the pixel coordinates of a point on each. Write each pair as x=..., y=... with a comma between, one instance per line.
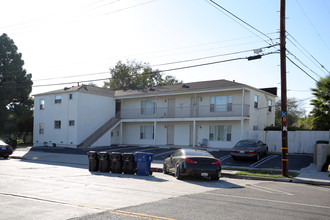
x=2, y=143
x=246, y=144
x=193, y=153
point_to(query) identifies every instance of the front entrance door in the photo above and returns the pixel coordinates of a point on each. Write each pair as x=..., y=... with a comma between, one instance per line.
x=170, y=134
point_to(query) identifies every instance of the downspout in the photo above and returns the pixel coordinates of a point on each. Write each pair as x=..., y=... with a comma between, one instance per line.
x=194, y=122
x=242, y=114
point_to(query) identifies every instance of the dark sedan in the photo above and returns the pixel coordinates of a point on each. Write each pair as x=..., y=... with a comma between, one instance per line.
x=5, y=150
x=249, y=149
x=191, y=162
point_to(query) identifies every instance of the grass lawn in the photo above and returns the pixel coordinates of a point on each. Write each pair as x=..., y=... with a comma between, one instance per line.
x=266, y=173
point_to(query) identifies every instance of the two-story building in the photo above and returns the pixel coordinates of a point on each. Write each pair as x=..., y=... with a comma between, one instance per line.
x=218, y=112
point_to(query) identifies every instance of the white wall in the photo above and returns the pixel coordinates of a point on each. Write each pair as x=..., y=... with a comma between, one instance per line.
x=89, y=112
x=64, y=111
x=93, y=112
x=298, y=141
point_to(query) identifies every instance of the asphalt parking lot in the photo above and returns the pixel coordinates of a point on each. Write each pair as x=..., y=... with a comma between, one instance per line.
x=270, y=161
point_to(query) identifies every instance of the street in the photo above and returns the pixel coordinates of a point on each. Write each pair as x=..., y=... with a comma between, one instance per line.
x=40, y=189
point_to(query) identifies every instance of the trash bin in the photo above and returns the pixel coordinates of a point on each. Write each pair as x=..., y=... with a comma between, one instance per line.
x=115, y=160
x=93, y=161
x=143, y=162
x=128, y=163
x=104, y=161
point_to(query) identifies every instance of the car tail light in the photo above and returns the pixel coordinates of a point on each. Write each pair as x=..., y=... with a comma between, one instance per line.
x=217, y=162
x=187, y=160
x=10, y=147
x=251, y=152
x=234, y=151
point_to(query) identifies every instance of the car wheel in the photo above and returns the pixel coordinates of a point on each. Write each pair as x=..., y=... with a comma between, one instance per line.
x=215, y=177
x=6, y=157
x=258, y=157
x=177, y=172
x=165, y=169
x=234, y=158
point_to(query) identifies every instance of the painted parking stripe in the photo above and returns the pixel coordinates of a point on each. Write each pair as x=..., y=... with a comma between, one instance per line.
x=224, y=157
x=164, y=153
x=269, y=190
x=262, y=161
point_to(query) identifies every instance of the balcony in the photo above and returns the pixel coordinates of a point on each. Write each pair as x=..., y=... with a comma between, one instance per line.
x=230, y=110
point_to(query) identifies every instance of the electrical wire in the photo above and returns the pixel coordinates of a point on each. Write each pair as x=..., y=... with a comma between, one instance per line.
x=301, y=68
x=217, y=6
x=166, y=70
x=321, y=65
x=310, y=22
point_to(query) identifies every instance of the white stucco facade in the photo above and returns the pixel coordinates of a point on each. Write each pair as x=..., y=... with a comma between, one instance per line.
x=182, y=116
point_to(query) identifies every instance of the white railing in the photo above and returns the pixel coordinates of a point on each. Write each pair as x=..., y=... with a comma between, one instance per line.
x=232, y=110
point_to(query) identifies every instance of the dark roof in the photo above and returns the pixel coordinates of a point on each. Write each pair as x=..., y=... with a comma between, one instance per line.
x=182, y=88
x=84, y=88
x=159, y=90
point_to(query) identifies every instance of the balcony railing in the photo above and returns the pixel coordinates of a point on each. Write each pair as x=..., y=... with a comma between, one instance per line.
x=230, y=110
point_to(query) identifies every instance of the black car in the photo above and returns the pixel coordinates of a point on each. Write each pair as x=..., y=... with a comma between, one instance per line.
x=192, y=162
x=249, y=149
x=5, y=150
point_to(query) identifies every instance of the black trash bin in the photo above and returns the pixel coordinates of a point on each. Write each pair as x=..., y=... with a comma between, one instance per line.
x=128, y=163
x=93, y=161
x=104, y=161
x=115, y=160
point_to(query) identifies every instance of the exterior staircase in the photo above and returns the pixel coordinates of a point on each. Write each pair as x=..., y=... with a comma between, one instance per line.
x=89, y=141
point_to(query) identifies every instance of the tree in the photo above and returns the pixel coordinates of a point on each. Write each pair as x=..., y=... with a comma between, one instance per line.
x=321, y=103
x=136, y=75
x=15, y=87
x=294, y=112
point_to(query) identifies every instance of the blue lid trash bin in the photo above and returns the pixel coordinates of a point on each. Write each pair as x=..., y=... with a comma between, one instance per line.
x=143, y=163
x=93, y=162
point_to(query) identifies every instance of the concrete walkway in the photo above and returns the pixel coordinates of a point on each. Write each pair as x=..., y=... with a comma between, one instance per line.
x=308, y=175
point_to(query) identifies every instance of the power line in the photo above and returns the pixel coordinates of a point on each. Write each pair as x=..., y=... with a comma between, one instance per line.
x=310, y=22
x=321, y=65
x=166, y=70
x=301, y=68
x=208, y=57
x=303, y=63
x=241, y=20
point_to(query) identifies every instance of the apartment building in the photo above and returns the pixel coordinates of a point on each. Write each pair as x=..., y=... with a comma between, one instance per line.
x=217, y=113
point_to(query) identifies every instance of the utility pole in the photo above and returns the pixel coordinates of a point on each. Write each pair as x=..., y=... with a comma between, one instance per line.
x=284, y=126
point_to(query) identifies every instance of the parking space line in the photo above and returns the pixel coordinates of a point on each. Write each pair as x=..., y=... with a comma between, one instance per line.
x=224, y=157
x=262, y=161
x=161, y=154
x=269, y=190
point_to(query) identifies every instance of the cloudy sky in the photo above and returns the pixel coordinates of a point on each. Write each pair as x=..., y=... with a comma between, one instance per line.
x=79, y=40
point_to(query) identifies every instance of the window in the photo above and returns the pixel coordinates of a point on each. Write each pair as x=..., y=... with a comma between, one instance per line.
x=147, y=132
x=221, y=103
x=71, y=123
x=255, y=101
x=58, y=99
x=255, y=127
x=72, y=96
x=42, y=104
x=57, y=124
x=148, y=107
x=41, y=128
x=269, y=105
x=220, y=133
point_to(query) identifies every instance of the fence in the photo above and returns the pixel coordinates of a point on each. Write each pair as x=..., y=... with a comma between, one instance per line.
x=298, y=141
